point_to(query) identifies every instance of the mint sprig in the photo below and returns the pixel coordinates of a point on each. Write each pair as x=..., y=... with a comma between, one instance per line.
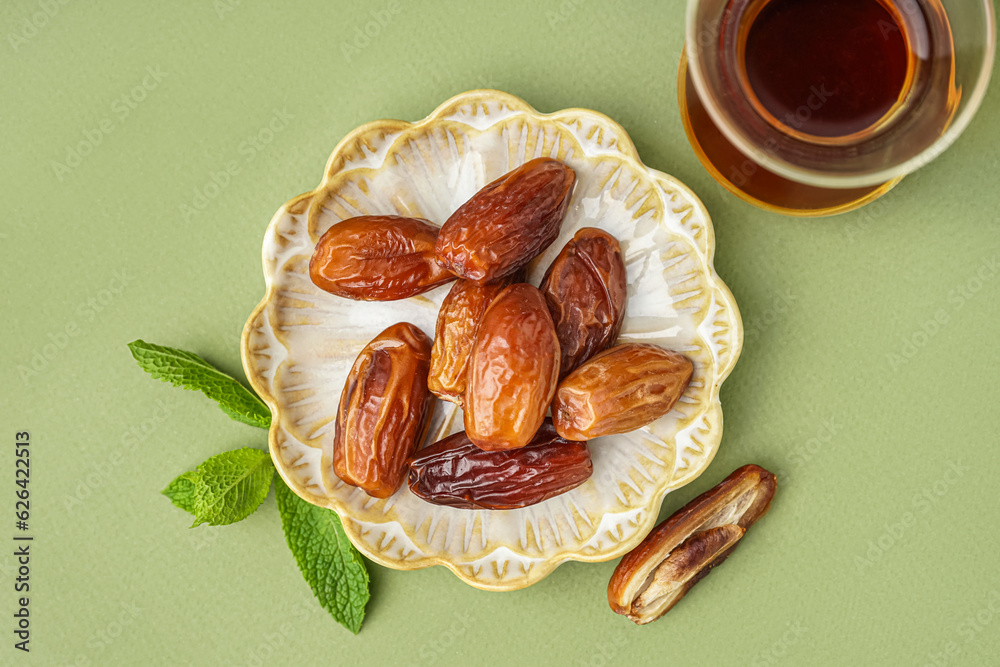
x=188, y=370
x=230, y=486
x=225, y=489
x=329, y=562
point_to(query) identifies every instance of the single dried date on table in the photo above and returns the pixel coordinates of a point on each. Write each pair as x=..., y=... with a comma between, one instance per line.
x=384, y=410
x=513, y=370
x=620, y=390
x=585, y=290
x=456, y=473
x=682, y=550
x=377, y=258
x=507, y=223
x=457, y=323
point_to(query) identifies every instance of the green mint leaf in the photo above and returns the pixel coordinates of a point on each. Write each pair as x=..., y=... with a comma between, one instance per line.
x=231, y=486
x=226, y=488
x=188, y=370
x=182, y=491
x=330, y=564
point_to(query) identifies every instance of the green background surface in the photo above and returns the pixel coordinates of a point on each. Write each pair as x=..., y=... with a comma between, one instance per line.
x=868, y=381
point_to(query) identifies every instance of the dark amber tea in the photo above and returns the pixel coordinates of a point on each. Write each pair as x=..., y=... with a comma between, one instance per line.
x=819, y=86
x=828, y=68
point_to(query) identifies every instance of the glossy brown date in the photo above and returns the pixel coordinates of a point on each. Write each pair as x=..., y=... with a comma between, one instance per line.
x=585, y=290
x=513, y=370
x=620, y=390
x=384, y=410
x=507, y=223
x=682, y=550
x=377, y=258
x=456, y=473
x=457, y=323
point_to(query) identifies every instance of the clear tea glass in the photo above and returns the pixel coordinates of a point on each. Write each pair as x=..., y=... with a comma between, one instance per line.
x=816, y=107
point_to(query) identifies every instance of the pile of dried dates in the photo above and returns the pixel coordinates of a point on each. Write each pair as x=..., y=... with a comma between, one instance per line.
x=507, y=352
x=511, y=354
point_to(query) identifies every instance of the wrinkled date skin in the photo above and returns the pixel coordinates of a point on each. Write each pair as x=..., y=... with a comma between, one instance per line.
x=457, y=323
x=682, y=550
x=456, y=473
x=620, y=390
x=377, y=258
x=507, y=223
x=585, y=290
x=513, y=370
x=384, y=410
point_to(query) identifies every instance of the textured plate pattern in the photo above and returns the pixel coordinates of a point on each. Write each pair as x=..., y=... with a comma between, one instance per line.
x=300, y=342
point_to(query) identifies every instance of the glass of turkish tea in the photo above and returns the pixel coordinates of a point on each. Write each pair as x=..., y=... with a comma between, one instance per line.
x=816, y=107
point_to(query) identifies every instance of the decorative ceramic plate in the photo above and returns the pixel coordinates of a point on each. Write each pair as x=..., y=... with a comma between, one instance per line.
x=300, y=342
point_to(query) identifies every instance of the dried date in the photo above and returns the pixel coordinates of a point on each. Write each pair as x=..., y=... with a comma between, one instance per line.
x=507, y=223
x=682, y=550
x=384, y=410
x=585, y=290
x=457, y=323
x=513, y=370
x=620, y=390
x=456, y=473
x=377, y=258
